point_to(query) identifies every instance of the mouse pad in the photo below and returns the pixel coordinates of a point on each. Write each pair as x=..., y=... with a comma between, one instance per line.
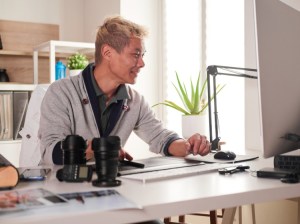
x=210, y=158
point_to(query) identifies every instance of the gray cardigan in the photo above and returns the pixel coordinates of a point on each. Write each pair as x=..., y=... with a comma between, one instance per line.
x=66, y=110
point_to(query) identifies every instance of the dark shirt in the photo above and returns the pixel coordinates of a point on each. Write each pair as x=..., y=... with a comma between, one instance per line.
x=105, y=110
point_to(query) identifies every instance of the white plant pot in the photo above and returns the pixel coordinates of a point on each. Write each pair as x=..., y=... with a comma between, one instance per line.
x=74, y=72
x=192, y=124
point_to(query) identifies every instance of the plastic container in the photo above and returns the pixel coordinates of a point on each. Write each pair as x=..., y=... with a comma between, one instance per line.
x=60, y=70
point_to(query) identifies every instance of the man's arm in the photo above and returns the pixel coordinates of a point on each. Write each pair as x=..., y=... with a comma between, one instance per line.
x=54, y=122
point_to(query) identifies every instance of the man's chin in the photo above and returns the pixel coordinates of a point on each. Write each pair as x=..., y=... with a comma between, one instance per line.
x=132, y=82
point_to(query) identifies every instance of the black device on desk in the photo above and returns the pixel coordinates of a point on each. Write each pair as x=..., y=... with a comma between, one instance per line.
x=75, y=168
x=131, y=164
x=231, y=170
x=225, y=155
x=286, y=176
x=124, y=165
x=75, y=173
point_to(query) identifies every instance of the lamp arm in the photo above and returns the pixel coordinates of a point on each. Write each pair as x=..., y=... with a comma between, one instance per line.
x=212, y=70
x=239, y=75
x=236, y=68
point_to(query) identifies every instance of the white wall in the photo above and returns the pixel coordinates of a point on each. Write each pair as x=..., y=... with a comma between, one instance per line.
x=45, y=11
x=94, y=13
x=145, y=13
x=78, y=19
x=225, y=46
x=42, y=11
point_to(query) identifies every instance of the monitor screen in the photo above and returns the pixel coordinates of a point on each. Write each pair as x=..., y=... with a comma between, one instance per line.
x=277, y=27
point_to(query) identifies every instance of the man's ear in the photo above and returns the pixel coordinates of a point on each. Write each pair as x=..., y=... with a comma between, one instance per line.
x=106, y=52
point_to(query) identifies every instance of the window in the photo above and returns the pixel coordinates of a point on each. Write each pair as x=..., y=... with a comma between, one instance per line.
x=197, y=34
x=183, y=50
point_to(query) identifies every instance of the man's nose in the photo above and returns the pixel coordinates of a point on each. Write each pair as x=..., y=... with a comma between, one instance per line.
x=140, y=62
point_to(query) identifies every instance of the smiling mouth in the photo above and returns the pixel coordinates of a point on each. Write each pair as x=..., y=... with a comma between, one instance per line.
x=135, y=73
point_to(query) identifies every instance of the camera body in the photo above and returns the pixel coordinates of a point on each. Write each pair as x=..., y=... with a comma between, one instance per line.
x=106, y=152
x=75, y=168
x=75, y=173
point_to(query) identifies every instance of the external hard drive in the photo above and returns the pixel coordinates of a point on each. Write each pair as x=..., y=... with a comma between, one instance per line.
x=269, y=172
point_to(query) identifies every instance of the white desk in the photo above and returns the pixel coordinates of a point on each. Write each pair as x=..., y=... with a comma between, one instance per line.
x=162, y=199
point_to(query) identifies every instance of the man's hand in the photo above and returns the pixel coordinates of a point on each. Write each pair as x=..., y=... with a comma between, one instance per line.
x=89, y=153
x=196, y=144
x=124, y=155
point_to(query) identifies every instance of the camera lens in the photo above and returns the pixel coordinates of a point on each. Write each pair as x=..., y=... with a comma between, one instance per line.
x=106, y=152
x=74, y=147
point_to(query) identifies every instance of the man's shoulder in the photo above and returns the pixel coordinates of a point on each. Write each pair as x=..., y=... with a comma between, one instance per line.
x=136, y=99
x=67, y=83
x=132, y=92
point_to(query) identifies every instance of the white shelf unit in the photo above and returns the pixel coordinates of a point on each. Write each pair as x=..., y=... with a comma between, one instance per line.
x=54, y=47
x=16, y=87
x=11, y=148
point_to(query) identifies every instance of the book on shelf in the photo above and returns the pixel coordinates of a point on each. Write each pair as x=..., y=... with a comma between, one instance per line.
x=6, y=115
x=13, y=108
x=20, y=104
x=1, y=118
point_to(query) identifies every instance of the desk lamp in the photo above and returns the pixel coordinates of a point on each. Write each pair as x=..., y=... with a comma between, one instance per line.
x=212, y=70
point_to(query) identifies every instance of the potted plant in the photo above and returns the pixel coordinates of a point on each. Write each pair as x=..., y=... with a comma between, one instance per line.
x=193, y=106
x=76, y=63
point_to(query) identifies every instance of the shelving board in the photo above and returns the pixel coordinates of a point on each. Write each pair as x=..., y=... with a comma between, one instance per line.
x=54, y=47
x=16, y=87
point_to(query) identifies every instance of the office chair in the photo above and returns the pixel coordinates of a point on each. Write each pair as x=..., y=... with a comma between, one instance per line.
x=30, y=154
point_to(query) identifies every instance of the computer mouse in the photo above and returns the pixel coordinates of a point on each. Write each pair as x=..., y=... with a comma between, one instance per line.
x=225, y=155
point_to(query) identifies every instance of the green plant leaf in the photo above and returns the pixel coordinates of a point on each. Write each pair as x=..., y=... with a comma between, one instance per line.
x=183, y=94
x=77, y=61
x=195, y=96
x=173, y=105
x=194, y=104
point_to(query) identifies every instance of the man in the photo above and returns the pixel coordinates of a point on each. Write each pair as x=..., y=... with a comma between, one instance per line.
x=99, y=102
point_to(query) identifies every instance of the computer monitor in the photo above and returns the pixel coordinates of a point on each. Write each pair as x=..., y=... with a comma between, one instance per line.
x=277, y=27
